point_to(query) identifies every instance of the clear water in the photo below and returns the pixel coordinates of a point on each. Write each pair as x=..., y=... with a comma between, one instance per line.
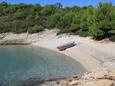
x=19, y=64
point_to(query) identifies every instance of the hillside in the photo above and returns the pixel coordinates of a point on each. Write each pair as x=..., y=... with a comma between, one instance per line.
x=98, y=22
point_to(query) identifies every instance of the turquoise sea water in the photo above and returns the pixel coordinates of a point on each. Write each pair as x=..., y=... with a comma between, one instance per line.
x=22, y=64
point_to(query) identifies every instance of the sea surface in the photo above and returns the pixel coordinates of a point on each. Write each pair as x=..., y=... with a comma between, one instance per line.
x=26, y=65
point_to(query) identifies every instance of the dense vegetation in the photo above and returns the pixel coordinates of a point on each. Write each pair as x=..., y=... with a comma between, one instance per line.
x=98, y=22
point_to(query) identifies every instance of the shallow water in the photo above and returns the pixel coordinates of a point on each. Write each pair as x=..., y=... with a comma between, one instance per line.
x=18, y=64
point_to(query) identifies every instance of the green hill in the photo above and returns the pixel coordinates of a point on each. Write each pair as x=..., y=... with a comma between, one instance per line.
x=98, y=22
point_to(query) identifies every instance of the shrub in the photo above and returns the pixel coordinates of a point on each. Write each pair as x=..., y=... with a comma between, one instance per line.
x=35, y=29
x=112, y=38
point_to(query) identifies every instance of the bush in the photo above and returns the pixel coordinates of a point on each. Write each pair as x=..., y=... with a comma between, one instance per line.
x=81, y=33
x=96, y=22
x=112, y=38
x=35, y=29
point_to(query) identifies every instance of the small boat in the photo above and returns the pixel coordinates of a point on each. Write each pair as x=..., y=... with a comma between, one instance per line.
x=65, y=46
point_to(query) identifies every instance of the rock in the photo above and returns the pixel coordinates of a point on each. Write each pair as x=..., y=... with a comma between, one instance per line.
x=101, y=77
x=103, y=82
x=75, y=82
x=98, y=74
x=65, y=83
x=112, y=78
x=53, y=83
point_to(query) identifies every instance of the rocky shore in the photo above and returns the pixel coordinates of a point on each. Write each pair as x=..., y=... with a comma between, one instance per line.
x=5, y=39
x=99, y=77
x=98, y=57
x=14, y=42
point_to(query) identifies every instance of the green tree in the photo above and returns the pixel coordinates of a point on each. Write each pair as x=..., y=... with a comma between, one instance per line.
x=47, y=10
x=35, y=29
x=98, y=22
x=53, y=20
x=101, y=22
x=66, y=20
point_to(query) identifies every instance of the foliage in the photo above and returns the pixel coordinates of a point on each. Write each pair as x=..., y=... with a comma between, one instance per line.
x=112, y=38
x=35, y=29
x=98, y=22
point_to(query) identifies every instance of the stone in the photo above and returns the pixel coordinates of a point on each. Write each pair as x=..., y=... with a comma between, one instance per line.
x=112, y=78
x=49, y=84
x=75, y=82
x=102, y=82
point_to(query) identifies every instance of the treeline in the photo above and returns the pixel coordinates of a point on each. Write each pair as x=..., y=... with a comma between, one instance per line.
x=98, y=22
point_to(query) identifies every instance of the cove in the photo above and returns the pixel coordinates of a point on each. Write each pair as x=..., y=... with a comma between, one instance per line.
x=22, y=64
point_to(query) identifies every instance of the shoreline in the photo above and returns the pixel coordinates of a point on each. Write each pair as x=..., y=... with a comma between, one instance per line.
x=97, y=57
x=86, y=52
x=92, y=55
x=90, y=66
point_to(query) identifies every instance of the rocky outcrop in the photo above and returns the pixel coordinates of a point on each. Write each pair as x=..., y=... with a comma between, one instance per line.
x=3, y=35
x=97, y=78
x=13, y=39
x=14, y=42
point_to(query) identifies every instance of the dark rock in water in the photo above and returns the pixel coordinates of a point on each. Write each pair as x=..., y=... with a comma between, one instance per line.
x=32, y=82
